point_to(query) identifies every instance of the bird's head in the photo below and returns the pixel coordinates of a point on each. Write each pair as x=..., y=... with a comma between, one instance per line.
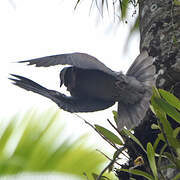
x=63, y=76
x=66, y=76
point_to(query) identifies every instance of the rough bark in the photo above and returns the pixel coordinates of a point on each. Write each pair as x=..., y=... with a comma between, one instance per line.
x=160, y=35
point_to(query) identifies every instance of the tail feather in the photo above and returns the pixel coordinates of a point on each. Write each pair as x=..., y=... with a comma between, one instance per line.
x=138, y=63
x=147, y=76
x=29, y=85
x=141, y=67
x=143, y=70
x=131, y=115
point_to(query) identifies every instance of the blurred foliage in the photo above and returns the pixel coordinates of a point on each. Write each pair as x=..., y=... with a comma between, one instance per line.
x=36, y=144
x=120, y=7
x=121, y=10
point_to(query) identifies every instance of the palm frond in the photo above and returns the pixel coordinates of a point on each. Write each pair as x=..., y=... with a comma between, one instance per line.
x=35, y=144
x=119, y=8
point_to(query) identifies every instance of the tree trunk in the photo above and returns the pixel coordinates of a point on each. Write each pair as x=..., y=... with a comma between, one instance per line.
x=160, y=35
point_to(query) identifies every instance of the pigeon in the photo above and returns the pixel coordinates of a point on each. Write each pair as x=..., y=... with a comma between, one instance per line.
x=94, y=87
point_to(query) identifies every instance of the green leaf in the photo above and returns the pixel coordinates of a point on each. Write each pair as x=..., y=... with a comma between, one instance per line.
x=161, y=137
x=115, y=114
x=108, y=134
x=152, y=109
x=177, y=177
x=95, y=176
x=169, y=109
x=167, y=129
x=170, y=98
x=128, y=133
x=176, y=132
x=151, y=159
x=40, y=148
x=176, y=2
x=173, y=159
x=156, y=143
x=160, y=156
x=124, y=8
x=139, y=173
x=5, y=138
x=155, y=126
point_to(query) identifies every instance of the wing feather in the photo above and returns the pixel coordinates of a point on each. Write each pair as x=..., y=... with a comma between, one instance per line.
x=80, y=60
x=67, y=103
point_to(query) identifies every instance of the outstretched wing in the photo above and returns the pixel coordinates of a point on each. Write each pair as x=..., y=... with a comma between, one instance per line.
x=67, y=103
x=80, y=60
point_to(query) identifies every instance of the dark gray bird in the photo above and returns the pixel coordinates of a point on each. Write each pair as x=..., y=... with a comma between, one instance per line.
x=94, y=87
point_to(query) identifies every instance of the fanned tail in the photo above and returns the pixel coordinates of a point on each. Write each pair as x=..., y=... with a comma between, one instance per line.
x=144, y=71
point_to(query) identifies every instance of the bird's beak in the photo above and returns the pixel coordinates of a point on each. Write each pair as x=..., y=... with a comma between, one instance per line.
x=61, y=76
x=61, y=83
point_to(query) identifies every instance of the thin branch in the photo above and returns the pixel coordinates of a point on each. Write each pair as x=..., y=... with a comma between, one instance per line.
x=118, y=152
x=117, y=132
x=101, y=13
x=90, y=9
x=77, y=3
x=113, y=126
x=97, y=131
x=109, y=165
x=107, y=157
x=104, y=154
